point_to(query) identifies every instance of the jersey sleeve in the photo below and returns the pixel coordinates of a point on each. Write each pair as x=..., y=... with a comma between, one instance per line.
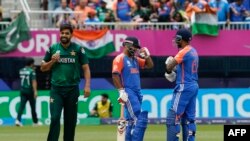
x=117, y=64
x=141, y=62
x=83, y=59
x=179, y=57
x=48, y=55
x=131, y=3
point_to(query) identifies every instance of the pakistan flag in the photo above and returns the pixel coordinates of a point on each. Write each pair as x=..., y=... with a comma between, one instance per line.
x=15, y=33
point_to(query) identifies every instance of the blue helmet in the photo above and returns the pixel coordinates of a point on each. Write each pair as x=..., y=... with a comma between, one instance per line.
x=183, y=34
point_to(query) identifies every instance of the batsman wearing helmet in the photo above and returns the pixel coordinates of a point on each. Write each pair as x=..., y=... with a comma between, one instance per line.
x=183, y=68
x=126, y=78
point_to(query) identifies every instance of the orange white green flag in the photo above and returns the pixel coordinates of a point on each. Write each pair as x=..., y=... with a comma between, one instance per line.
x=204, y=23
x=97, y=43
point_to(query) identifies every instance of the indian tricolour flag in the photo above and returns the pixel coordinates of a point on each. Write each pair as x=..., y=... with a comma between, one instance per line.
x=204, y=23
x=96, y=43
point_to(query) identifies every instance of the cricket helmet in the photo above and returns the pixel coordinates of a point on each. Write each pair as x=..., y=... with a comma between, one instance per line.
x=183, y=34
x=133, y=41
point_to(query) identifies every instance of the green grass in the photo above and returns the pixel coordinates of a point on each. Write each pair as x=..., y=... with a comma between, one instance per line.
x=103, y=133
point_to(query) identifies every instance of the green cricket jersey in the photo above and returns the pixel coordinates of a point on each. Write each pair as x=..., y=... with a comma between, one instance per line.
x=66, y=72
x=27, y=74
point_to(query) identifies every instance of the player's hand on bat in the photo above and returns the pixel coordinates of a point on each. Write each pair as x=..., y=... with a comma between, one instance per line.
x=144, y=53
x=123, y=96
x=86, y=92
x=171, y=76
x=170, y=58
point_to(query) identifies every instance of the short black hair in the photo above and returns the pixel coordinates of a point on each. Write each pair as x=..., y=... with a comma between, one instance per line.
x=66, y=26
x=105, y=95
x=29, y=61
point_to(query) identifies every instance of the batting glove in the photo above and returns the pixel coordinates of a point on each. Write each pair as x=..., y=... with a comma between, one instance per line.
x=168, y=59
x=144, y=53
x=171, y=76
x=123, y=96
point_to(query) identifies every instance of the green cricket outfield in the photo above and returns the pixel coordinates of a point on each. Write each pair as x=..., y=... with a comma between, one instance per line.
x=103, y=133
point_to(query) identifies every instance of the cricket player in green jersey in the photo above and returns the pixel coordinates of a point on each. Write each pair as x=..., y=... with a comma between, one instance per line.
x=65, y=60
x=28, y=91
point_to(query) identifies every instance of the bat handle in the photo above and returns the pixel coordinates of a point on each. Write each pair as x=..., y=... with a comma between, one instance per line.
x=122, y=112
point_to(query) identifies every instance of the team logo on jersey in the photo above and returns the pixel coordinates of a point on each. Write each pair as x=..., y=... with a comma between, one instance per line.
x=73, y=53
x=51, y=100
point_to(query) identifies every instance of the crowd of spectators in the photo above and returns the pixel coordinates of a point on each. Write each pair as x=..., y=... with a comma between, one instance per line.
x=84, y=11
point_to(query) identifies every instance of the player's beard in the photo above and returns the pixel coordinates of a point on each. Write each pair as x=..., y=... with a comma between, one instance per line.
x=64, y=40
x=131, y=52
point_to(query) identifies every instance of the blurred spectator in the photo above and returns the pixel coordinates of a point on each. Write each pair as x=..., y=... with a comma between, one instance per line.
x=140, y=13
x=66, y=19
x=73, y=3
x=246, y=3
x=238, y=11
x=144, y=3
x=92, y=17
x=44, y=4
x=110, y=4
x=221, y=7
x=53, y=4
x=103, y=108
x=166, y=10
x=153, y=17
x=177, y=17
x=180, y=4
x=123, y=10
x=183, y=11
x=197, y=6
x=93, y=4
x=62, y=8
x=144, y=19
x=84, y=9
x=104, y=14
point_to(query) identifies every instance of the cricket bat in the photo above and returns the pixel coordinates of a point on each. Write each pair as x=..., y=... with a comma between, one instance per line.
x=121, y=126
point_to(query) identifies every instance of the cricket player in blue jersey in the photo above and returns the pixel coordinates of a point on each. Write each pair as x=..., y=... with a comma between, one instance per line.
x=183, y=104
x=126, y=78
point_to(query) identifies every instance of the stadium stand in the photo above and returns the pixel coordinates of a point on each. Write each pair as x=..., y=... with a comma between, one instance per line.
x=219, y=70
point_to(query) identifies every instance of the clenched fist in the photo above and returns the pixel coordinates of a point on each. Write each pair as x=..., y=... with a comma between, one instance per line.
x=144, y=53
